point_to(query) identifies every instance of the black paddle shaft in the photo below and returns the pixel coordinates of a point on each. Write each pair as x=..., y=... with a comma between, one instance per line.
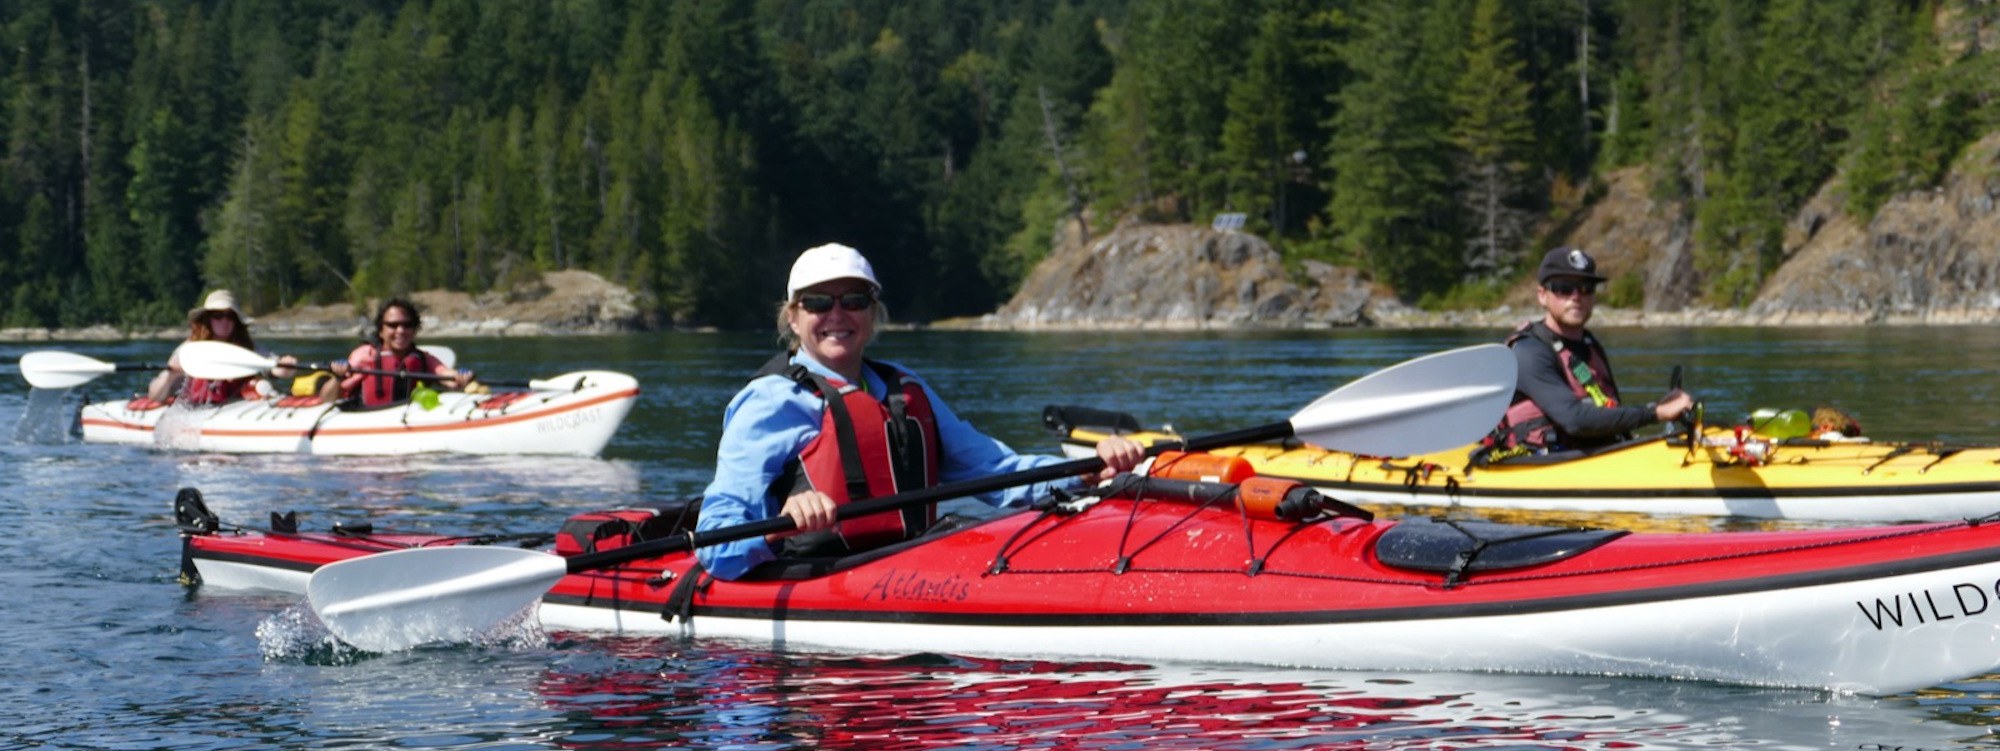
x=436, y=377
x=960, y=489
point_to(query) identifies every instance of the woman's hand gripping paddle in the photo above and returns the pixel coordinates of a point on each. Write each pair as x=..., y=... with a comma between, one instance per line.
x=391, y=601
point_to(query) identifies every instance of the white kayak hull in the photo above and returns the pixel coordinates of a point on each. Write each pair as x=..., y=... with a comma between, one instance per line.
x=579, y=420
x=1751, y=638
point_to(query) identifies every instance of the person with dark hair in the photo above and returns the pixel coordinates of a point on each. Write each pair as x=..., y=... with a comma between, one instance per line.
x=820, y=426
x=377, y=372
x=216, y=319
x=1565, y=396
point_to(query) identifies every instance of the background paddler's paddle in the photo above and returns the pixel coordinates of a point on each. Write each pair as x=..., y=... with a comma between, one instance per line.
x=223, y=361
x=443, y=353
x=391, y=601
x=52, y=369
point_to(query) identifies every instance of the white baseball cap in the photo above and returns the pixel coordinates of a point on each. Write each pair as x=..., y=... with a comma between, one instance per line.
x=827, y=263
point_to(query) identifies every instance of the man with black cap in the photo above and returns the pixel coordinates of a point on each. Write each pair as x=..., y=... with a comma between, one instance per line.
x=1566, y=397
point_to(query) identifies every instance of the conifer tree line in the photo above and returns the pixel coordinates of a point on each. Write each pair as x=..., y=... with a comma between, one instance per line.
x=319, y=151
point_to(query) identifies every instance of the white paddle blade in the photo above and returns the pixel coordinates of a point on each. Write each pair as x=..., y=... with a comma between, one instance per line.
x=220, y=361
x=1432, y=403
x=443, y=353
x=393, y=601
x=50, y=369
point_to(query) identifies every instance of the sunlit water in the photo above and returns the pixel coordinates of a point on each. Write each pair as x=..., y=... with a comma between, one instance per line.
x=107, y=651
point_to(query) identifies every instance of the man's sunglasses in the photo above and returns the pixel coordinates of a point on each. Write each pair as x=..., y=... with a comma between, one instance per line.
x=856, y=302
x=1564, y=288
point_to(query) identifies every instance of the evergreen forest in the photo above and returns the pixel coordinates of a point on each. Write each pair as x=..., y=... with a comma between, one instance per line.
x=319, y=151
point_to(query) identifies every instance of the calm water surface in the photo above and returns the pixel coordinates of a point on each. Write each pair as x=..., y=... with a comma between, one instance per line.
x=107, y=651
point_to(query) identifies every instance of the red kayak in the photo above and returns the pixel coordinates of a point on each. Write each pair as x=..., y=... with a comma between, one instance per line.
x=1175, y=571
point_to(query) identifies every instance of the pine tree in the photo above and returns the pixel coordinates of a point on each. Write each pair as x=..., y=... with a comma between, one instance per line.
x=1273, y=111
x=1391, y=188
x=1184, y=54
x=1492, y=129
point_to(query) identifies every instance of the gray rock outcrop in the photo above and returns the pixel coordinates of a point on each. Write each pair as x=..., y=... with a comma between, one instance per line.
x=566, y=302
x=1181, y=277
x=1930, y=256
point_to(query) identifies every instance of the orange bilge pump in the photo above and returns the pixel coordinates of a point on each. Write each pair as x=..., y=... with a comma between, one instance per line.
x=1181, y=465
x=1268, y=498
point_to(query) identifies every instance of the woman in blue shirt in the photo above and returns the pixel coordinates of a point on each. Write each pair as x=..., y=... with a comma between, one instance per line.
x=822, y=425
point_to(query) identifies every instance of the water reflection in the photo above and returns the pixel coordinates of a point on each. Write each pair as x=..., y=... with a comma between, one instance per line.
x=666, y=694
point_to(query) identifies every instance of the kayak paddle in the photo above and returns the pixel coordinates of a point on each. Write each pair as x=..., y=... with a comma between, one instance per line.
x=52, y=369
x=396, y=600
x=223, y=361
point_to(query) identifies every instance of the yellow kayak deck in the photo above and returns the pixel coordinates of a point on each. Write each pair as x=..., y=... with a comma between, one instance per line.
x=1796, y=479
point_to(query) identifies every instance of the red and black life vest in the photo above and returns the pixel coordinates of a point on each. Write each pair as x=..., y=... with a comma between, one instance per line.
x=1589, y=377
x=866, y=448
x=204, y=391
x=383, y=390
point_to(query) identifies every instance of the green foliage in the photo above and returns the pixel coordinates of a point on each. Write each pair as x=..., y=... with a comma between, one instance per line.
x=1273, y=121
x=1926, y=113
x=1392, y=184
x=1476, y=293
x=1623, y=291
x=333, y=151
x=1492, y=129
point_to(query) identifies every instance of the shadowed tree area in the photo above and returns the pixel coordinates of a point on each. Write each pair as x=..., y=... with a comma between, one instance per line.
x=320, y=151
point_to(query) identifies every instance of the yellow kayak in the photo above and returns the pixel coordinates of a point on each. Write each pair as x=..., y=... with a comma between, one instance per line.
x=1722, y=475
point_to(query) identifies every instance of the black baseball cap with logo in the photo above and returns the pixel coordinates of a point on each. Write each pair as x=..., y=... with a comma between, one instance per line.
x=1567, y=261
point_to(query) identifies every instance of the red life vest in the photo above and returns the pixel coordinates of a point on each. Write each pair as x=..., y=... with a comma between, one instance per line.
x=866, y=448
x=383, y=390
x=1525, y=424
x=205, y=391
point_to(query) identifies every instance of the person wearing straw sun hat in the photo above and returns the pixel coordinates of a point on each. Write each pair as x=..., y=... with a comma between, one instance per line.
x=215, y=319
x=821, y=425
x=1565, y=396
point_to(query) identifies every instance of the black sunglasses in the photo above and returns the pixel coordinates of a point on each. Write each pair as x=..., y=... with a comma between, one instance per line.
x=856, y=302
x=399, y=324
x=1566, y=288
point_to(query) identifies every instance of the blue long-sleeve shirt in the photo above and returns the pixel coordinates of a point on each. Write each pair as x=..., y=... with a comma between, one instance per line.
x=770, y=422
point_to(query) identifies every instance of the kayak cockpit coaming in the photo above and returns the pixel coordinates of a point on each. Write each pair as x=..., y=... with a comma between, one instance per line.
x=799, y=569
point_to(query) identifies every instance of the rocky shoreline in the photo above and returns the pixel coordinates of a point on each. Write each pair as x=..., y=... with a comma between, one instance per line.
x=560, y=303
x=570, y=303
x=338, y=322
x=1507, y=317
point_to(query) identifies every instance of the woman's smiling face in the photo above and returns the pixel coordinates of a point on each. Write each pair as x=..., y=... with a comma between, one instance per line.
x=399, y=329
x=837, y=336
